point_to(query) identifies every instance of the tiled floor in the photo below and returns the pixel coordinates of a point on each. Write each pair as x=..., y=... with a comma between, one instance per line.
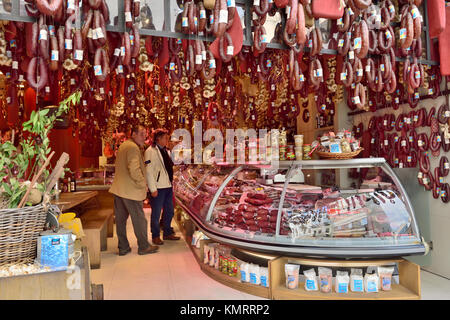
x=173, y=273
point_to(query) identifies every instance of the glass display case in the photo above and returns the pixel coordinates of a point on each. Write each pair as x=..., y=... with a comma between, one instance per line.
x=283, y=208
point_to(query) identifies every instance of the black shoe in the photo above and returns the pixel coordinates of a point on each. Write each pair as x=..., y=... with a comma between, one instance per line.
x=122, y=253
x=150, y=249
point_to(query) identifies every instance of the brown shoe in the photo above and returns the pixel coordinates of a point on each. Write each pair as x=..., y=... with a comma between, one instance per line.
x=157, y=241
x=171, y=237
x=150, y=249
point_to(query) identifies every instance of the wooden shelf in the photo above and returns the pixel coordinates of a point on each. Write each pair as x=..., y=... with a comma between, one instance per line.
x=235, y=283
x=408, y=289
x=398, y=292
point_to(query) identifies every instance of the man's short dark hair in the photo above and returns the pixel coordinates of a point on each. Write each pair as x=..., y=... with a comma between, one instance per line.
x=158, y=133
x=135, y=129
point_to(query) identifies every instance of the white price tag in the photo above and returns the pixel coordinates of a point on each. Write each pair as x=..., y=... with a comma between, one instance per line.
x=372, y=140
x=122, y=51
x=8, y=100
x=420, y=143
x=447, y=114
x=72, y=81
x=100, y=33
x=223, y=16
x=357, y=100
x=21, y=77
x=204, y=55
x=351, y=55
x=386, y=142
x=447, y=165
x=341, y=43
x=198, y=59
x=68, y=44
x=403, y=143
x=78, y=55
x=102, y=91
x=230, y=50
x=359, y=72
x=71, y=4
x=128, y=17
x=47, y=89
x=256, y=3
x=54, y=55
x=184, y=22
x=212, y=64
x=357, y=43
x=90, y=33
x=231, y=3
x=202, y=14
x=319, y=73
x=94, y=34
x=288, y=12
x=420, y=175
x=98, y=70
x=84, y=103
x=343, y=76
x=43, y=34
x=15, y=65
x=8, y=53
x=117, y=52
x=402, y=33
x=368, y=68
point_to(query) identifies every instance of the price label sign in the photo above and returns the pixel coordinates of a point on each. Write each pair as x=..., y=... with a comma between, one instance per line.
x=357, y=100
x=172, y=66
x=351, y=55
x=340, y=22
x=343, y=76
x=212, y=64
x=402, y=33
x=98, y=70
x=341, y=43
x=357, y=43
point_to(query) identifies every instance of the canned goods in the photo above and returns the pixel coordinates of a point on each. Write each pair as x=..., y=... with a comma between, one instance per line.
x=306, y=151
x=232, y=267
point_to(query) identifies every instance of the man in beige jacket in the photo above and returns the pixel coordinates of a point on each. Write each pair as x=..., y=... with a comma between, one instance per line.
x=130, y=190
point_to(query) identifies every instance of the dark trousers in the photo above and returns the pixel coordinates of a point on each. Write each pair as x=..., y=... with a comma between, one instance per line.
x=164, y=200
x=124, y=208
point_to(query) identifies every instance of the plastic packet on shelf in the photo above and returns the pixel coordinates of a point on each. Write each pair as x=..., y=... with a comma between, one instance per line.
x=292, y=273
x=356, y=280
x=371, y=282
x=385, y=274
x=255, y=276
x=244, y=271
x=325, y=279
x=206, y=254
x=264, y=273
x=310, y=280
x=342, y=281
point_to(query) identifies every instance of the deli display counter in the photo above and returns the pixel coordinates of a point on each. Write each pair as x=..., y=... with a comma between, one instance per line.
x=282, y=208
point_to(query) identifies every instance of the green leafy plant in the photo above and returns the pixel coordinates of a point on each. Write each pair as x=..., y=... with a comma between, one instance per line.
x=34, y=149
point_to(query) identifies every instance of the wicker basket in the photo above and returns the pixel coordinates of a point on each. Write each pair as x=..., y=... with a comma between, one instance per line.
x=19, y=231
x=338, y=156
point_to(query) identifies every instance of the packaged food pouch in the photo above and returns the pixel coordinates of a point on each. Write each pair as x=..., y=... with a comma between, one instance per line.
x=216, y=259
x=254, y=274
x=385, y=274
x=356, y=280
x=206, y=254
x=264, y=273
x=371, y=282
x=310, y=280
x=291, y=271
x=342, y=281
x=325, y=279
x=212, y=254
x=243, y=268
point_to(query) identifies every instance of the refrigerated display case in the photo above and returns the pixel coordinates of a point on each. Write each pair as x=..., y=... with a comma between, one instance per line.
x=270, y=208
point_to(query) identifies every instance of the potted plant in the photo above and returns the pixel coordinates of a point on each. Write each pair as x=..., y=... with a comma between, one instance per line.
x=32, y=152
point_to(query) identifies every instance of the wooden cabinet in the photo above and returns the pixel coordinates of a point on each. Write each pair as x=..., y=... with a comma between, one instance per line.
x=409, y=278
